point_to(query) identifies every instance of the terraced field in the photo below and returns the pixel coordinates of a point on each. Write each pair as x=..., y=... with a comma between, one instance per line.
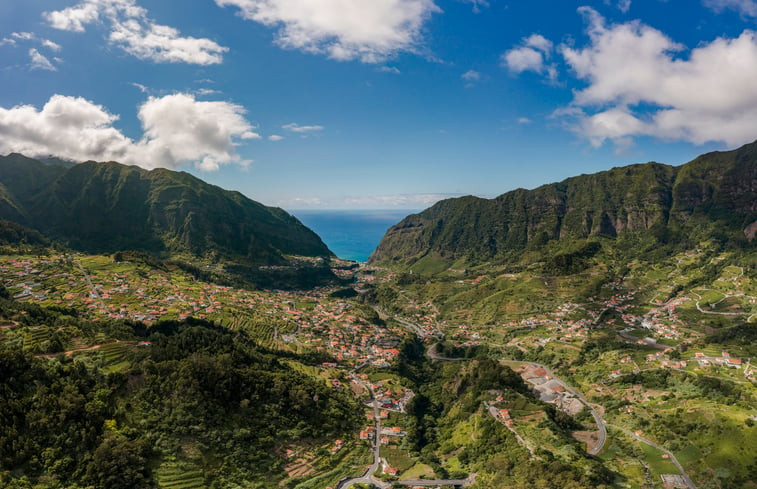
x=116, y=352
x=171, y=475
x=35, y=337
x=266, y=333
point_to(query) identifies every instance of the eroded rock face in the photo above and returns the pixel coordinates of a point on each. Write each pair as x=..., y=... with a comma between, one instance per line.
x=751, y=230
x=717, y=188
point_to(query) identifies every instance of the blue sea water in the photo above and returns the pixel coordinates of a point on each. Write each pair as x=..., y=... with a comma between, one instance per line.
x=351, y=235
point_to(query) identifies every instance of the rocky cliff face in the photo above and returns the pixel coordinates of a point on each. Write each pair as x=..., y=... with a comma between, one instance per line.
x=715, y=189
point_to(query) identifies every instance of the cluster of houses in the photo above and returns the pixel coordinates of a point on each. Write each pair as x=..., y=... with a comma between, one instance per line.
x=328, y=325
x=500, y=413
x=549, y=389
x=724, y=360
x=340, y=330
x=704, y=360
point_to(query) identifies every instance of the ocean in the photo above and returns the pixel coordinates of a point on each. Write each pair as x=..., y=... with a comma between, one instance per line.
x=351, y=235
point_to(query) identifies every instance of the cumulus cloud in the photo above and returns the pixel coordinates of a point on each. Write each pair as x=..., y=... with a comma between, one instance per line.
x=531, y=55
x=275, y=137
x=133, y=31
x=293, y=127
x=74, y=18
x=747, y=8
x=368, y=30
x=39, y=61
x=641, y=82
x=177, y=130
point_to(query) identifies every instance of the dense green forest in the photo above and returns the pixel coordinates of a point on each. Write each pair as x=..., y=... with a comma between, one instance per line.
x=197, y=394
x=450, y=394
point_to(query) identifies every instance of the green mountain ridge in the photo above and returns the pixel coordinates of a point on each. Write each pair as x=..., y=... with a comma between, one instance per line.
x=713, y=195
x=107, y=207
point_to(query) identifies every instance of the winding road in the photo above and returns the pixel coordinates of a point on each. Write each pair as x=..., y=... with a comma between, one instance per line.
x=670, y=455
x=601, y=425
x=367, y=477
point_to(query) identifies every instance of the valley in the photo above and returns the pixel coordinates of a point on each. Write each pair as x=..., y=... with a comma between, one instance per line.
x=618, y=367
x=378, y=244
x=616, y=353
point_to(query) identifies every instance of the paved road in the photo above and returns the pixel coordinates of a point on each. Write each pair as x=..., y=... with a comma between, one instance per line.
x=601, y=425
x=444, y=482
x=414, y=328
x=367, y=477
x=623, y=334
x=495, y=414
x=95, y=292
x=725, y=296
x=672, y=457
x=433, y=355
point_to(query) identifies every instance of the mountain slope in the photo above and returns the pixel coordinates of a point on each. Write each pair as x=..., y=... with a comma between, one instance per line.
x=106, y=207
x=715, y=193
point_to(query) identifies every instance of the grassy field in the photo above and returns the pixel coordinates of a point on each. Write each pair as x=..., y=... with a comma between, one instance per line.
x=397, y=458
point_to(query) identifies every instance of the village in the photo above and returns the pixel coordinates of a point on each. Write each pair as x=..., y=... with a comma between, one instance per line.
x=108, y=290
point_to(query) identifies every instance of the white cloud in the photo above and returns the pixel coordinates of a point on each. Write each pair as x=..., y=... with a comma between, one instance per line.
x=30, y=37
x=639, y=82
x=747, y=8
x=389, y=69
x=523, y=59
x=177, y=130
x=74, y=18
x=133, y=31
x=524, y=120
x=140, y=87
x=40, y=62
x=275, y=137
x=477, y=4
x=623, y=5
x=207, y=91
x=51, y=45
x=539, y=42
x=368, y=30
x=400, y=201
x=471, y=76
x=386, y=202
x=532, y=55
x=293, y=127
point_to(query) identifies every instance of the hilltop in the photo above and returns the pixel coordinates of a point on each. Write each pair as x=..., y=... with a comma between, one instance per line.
x=110, y=207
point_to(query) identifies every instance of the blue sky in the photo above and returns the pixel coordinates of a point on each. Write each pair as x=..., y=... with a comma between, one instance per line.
x=377, y=103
